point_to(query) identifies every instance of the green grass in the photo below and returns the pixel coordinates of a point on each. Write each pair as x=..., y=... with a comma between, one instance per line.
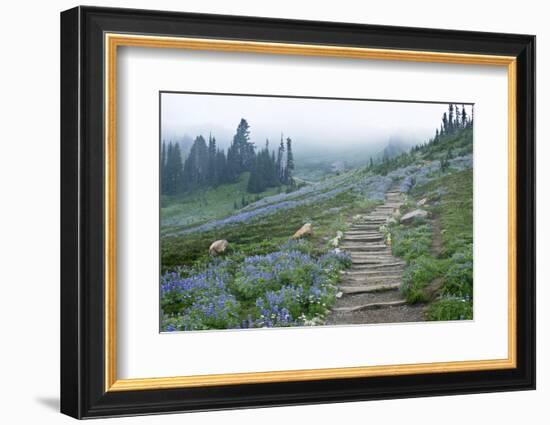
x=411, y=242
x=450, y=309
x=450, y=201
x=451, y=198
x=210, y=204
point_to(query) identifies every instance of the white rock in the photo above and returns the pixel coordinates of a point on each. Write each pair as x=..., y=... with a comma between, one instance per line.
x=305, y=230
x=410, y=216
x=218, y=247
x=422, y=202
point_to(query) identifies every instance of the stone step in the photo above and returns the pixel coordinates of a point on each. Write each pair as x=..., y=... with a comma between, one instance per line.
x=371, y=281
x=372, y=278
x=371, y=260
x=369, y=306
x=381, y=266
x=364, y=238
x=362, y=233
x=361, y=254
x=350, y=290
x=378, y=272
x=363, y=247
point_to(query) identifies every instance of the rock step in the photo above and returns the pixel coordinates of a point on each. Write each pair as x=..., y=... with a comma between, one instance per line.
x=376, y=254
x=381, y=266
x=363, y=247
x=365, y=227
x=350, y=290
x=364, y=238
x=368, y=306
x=363, y=233
x=372, y=261
x=366, y=254
x=372, y=278
x=366, y=272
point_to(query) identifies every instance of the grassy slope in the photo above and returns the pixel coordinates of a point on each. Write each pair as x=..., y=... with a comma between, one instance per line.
x=264, y=234
x=440, y=275
x=210, y=204
x=439, y=250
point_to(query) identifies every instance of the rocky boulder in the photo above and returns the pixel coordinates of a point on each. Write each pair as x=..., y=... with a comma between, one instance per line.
x=410, y=216
x=305, y=230
x=218, y=247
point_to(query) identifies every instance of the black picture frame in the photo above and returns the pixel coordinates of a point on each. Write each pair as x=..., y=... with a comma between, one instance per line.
x=83, y=392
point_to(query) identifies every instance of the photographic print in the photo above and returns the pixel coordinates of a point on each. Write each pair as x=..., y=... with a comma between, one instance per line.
x=301, y=211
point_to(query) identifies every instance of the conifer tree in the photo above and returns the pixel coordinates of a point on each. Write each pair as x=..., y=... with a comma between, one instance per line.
x=464, y=117
x=212, y=171
x=289, y=169
x=163, y=168
x=445, y=124
x=244, y=149
x=280, y=161
x=450, y=122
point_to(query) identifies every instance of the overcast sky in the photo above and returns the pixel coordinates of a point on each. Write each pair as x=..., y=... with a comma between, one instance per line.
x=324, y=123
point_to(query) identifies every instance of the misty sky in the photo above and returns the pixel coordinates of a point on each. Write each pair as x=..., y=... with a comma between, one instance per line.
x=309, y=122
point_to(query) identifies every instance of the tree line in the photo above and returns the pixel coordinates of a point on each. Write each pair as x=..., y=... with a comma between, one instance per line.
x=208, y=166
x=453, y=122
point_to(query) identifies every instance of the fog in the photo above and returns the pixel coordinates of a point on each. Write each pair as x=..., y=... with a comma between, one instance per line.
x=319, y=124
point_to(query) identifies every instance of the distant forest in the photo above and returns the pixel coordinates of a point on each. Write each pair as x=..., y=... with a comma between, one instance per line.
x=452, y=123
x=208, y=166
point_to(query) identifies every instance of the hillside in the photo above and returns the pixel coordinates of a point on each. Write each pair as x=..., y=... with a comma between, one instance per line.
x=266, y=279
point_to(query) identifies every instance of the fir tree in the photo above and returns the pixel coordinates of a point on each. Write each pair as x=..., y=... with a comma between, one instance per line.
x=163, y=168
x=445, y=124
x=280, y=161
x=289, y=169
x=212, y=169
x=450, y=121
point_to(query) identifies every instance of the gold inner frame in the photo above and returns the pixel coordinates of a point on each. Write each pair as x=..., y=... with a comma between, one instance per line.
x=113, y=41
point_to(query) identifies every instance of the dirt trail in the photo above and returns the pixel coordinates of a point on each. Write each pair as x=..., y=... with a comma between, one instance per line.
x=370, y=288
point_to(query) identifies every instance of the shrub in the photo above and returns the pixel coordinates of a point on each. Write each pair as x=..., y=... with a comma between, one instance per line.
x=411, y=243
x=459, y=279
x=418, y=274
x=451, y=309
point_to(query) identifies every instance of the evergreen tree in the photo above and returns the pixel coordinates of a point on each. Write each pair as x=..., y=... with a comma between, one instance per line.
x=221, y=168
x=445, y=124
x=244, y=149
x=450, y=122
x=457, y=117
x=289, y=163
x=212, y=169
x=163, y=168
x=280, y=161
x=173, y=170
x=195, y=169
x=464, y=117
x=233, y=164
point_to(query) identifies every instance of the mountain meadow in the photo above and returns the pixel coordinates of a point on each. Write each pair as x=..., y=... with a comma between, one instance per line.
x=254, y=235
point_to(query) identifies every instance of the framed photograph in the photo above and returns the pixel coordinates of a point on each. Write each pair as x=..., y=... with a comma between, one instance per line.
x=261, y=212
